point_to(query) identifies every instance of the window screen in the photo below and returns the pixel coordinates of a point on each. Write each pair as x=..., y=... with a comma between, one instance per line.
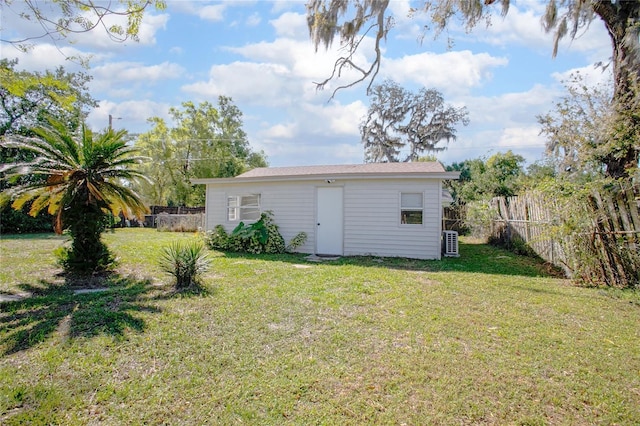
x=411, y=208
x=243, y=207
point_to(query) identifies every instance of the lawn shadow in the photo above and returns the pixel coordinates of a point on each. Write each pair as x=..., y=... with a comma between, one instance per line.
x=54, y=310
x=199, y=289
x=475, y=257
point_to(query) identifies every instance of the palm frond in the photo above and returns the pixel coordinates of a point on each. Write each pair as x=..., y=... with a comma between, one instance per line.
x=74, y=169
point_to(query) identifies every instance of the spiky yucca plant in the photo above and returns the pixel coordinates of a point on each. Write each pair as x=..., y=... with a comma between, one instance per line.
x=185, y=262
x=79, y=178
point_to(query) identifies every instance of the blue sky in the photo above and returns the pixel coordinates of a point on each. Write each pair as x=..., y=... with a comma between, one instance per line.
x=259, y=54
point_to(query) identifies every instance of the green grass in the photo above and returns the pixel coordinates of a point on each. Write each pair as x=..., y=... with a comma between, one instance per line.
x=487, y=338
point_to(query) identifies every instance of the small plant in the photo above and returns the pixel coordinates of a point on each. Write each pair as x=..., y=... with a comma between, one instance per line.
x=275, y=242
x=218, y=239
x=185, y=262
x=252, y=238
x=297, y=241
x=262, y=236
x=76, y=264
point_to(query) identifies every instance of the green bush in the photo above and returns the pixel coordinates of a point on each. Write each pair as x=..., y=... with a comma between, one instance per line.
x=218, y=239
x=297, y=241
x=275, y=242
x=18, y=222
x=71, y=262
x=262, y=236
x=251, y=238
x=185, y=262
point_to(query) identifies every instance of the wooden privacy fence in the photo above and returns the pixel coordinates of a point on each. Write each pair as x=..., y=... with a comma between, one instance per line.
x=529, y=219
x=615, y=235
x=453, y=218
x=595, y=238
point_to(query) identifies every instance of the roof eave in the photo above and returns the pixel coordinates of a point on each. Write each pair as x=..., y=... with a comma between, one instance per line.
x=236, y=180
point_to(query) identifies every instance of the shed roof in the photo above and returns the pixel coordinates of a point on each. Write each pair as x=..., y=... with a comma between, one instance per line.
x=432, y=169
x=346, y=169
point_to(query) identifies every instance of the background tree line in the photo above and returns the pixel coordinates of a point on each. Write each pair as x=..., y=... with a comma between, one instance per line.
x=202, y=141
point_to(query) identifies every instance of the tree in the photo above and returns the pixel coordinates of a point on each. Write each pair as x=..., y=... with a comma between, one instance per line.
x=205, y=142
x=155, y=145
x=500, y=175
x=399, y=119
x=352, y=20
x=60, y=18
x=84, y=179
x=576, y=129
x=27, y=98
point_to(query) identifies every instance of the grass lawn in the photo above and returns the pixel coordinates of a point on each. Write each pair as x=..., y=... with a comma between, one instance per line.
x=487, y=338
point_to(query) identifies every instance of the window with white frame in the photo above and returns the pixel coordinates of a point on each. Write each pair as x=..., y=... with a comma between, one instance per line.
x=411, y=208
x=243, y=207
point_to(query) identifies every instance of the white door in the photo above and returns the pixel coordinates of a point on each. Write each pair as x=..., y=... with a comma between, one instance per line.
x=329, y=220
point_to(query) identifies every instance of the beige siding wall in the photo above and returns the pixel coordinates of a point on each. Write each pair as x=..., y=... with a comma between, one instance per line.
x=292, y=204
x=372, y=220
x=371, y=214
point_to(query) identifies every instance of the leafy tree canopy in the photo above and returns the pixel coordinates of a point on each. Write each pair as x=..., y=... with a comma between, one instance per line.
x=28, y=98
x=576, y=128
x=401, y=125
x=352, y=20
x=206, y=141
x=83, y=178
x=499, y=175
x=57, y=19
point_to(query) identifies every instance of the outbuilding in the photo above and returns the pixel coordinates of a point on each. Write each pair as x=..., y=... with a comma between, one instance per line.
x=381, y=209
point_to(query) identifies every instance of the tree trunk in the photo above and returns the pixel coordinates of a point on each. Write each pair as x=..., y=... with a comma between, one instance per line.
x=622, y=20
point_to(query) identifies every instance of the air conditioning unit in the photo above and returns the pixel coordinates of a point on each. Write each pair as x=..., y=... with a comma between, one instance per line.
x=450, y=243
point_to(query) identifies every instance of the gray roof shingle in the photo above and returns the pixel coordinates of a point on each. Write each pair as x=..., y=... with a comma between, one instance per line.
x=346, y=169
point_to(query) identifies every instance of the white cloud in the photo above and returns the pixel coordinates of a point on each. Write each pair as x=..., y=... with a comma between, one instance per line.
x=310, y=151
x=150, y=26
x=47, y=57
x=284, y=57
x=281, y=5
x=592, y=75
x=449, y=72
x=253, y=20
x=510, y=109
x=128, y=79
x=520, y=137
x=100, y=39
x=315, y=134
x=253, y=83
x=279, y=131
x=130, y=115
x=336, y=118
x=501, y=123
x=214, y=13
x=291, y=25
x=95, y=45
x=522, y=26
x=134, y=71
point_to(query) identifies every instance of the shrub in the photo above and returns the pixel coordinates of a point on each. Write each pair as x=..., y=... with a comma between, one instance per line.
x=251, y=238
x=218, y=239
x=19, y=222
x=275, y=242
x=297, y=241
x=262, y=236
x=69, y=260
x=185, y=262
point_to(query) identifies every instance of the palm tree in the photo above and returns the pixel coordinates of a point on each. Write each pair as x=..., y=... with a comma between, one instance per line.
x=79, y=178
